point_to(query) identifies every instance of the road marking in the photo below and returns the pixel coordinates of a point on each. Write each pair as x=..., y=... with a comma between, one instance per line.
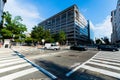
x=18, y=74
x=106, y=62
x=14, y=57
x=105, y=65
x=38, y=67
x=107, y=59
x=105, y=72
x=41, y=69
x=78, y=67
x=117, y=58
x=75, y=65
x=7, y=61
x=6, y=55
x=11, y=63
x=14, y=67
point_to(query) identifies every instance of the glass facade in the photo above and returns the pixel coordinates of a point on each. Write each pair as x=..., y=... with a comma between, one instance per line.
x=71, y=22
x=115, y=19
x=1, y=8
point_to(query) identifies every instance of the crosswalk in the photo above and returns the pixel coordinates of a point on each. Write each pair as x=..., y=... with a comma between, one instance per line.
x=107, y=63
x=12, y=67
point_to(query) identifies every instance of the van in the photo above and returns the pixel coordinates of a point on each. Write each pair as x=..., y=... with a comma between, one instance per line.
x=52, y=46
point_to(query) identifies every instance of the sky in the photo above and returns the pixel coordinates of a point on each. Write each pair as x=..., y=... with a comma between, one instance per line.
x=35, y=11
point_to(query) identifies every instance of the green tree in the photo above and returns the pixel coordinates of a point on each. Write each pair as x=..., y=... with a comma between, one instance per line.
x=47, y=36
x=106, y=40
x=98, y=41
x=37, y=33
x=55, y=37
x=62, y=37
x=10, y=27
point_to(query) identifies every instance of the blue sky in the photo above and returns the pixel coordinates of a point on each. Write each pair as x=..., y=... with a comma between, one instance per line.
x=34, y=11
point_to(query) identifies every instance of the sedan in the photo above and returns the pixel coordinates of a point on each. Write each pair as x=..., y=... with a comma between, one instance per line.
x=81, y=48
x=107, y=48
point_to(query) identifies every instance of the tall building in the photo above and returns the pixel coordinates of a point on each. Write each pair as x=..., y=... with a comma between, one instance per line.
x=2, y=2
x=115, y=36
x=72, y=22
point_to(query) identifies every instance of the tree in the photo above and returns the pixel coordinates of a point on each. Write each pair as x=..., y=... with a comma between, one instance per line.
x=55, y=37
x=62, y=37
x=37, y=33
x=47, y=36
x=98, y=41
x=10, y=27
x=106, y=40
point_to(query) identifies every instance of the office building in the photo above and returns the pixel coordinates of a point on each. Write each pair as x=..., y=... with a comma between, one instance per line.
x=2, y=2
x=72, y=22
x=115, y=36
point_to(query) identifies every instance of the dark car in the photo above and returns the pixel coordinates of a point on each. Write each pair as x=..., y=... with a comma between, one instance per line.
x=107, y=48
x=81, y=48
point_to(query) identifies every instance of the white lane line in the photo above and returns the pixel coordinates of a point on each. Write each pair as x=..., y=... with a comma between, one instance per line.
x=75, y=65
x=12, y=63
x=18, y=74
x=78, y=67
x=105, y=65
x=108, y=59
x=117, y=58
x=9, y=58
x=7, y=61
x=105, y=72
x=14, y=67
x=106, y=62
x=7, y=55
x=109, y=55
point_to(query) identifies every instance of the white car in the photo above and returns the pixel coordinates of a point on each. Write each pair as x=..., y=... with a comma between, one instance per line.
x=52, y=46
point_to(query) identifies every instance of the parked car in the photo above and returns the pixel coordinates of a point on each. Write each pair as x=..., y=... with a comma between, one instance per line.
x=52, y=46
x=79, y=47
x=107, y=48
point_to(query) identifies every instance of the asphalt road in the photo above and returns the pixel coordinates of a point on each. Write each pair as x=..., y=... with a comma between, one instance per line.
x=103, y=66
x=61, y=63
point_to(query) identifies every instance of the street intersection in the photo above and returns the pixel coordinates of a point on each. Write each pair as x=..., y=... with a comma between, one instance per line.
x=64, y=64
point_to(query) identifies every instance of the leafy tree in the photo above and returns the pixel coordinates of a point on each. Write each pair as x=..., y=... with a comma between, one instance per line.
x=28, y=40
x=62, y=37
x=55, y=37
x=10, y=27
x=98, y=41
x=37, y=33
x=106, y=40
x=47, y=36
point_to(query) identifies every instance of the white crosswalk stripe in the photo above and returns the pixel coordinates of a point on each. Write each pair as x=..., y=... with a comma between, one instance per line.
x=107, y=63
x=10, y=60
x=11, y=63
x=11, y=57
x=12, y=67
x=18, y=74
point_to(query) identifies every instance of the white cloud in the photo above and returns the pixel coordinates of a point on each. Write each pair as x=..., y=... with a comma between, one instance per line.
x=103, y=29
x=28, y=12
